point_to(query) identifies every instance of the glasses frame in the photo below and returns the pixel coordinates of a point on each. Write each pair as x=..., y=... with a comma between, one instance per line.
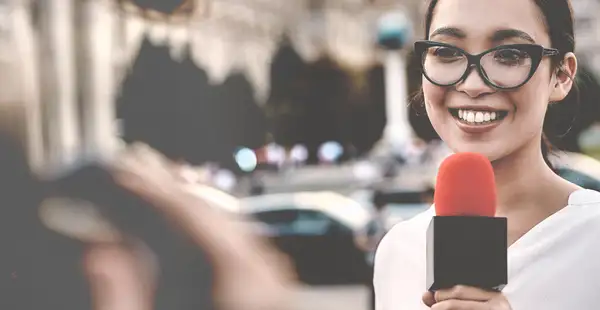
x=537, y=53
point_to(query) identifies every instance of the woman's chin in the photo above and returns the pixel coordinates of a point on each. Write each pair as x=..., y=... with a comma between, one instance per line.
x=490, y=152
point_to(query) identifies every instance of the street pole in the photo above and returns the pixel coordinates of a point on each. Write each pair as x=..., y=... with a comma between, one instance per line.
x=96, y=26
x=58, y=76
x=397, y=131
x=393, y=34
x=19, y=80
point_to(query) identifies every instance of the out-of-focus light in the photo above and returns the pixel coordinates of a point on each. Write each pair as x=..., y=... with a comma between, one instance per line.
x=365, y=171
x=299, y=153
x=225, y=180
x=275, y=154
x=246, y=159
x=330, y=151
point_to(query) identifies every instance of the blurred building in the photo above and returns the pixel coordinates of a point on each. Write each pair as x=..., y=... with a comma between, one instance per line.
x=587, y=32
x=77, y=68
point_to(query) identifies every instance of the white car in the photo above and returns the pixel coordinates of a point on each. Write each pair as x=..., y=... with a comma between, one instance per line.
x=320, y=231
x=215, y=197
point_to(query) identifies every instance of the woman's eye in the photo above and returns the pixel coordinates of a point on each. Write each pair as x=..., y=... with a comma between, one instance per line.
x=510, y=57
x=446, y=52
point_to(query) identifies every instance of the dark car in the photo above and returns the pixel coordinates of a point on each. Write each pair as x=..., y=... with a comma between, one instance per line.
x=319, y=231
x=579, y=169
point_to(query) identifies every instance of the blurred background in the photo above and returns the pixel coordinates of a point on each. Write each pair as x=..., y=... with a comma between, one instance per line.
x=295, y=113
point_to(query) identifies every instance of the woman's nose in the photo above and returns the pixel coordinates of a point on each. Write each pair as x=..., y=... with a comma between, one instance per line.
x=474, y=85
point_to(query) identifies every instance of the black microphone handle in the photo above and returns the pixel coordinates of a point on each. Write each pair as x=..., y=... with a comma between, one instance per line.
x=467, y=250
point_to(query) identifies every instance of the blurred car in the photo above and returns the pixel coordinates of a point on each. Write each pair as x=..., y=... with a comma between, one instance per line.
x=578, y=168
x=319, y=231
x=404, y=204
x=574, y=167
x=215, y=197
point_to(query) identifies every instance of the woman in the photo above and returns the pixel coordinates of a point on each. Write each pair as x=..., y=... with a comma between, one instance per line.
x=495, y=103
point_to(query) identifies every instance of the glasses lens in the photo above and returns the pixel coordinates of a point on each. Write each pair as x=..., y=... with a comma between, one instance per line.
x=507, y=67
x=444, y=65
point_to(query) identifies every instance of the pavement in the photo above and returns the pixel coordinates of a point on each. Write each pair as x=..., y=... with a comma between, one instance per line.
x=353, y=297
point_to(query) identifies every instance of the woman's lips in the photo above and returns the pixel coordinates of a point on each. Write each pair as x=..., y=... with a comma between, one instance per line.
x=479, y=124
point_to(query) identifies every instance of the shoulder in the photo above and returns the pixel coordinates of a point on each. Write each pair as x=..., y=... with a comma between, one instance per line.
x=402, y=241
x=585, y=202
x=399, y=275
x=584, y=207
x=585, y=197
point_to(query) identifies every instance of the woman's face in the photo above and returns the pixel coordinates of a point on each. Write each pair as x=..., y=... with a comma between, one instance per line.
x=477, y=26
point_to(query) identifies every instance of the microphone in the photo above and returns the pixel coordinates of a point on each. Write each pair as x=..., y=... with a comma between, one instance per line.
x=466, y=244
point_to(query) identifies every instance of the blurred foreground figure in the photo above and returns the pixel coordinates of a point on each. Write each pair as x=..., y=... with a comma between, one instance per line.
x=59, y=258
x=248, y=274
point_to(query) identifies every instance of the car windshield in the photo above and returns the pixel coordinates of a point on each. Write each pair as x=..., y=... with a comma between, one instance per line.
x=299, y=222
x=406, y=210
x=579, y=178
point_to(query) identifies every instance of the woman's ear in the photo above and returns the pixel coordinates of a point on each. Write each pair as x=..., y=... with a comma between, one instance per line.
x=564, y=77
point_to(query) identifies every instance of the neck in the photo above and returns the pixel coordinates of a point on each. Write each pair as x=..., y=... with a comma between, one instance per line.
x=522, y=178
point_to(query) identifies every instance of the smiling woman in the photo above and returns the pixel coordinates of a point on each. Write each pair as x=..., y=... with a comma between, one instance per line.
x=507, y=58
x=490, y=71
x=502, y=69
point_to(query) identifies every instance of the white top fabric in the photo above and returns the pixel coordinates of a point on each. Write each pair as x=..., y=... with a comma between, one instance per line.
x=555, y=266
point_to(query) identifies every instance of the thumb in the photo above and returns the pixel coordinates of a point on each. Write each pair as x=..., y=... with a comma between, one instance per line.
x=116, y=280
x=428, y=299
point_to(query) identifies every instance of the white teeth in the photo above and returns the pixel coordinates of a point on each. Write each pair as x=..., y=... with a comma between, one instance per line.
x=472, y=116
x=479, y=117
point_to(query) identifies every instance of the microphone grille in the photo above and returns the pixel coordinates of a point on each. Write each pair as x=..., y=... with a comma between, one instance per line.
x=465, y=186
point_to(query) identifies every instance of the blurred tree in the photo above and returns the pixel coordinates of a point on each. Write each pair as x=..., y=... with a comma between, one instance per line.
x=172, y=107
x=312, y=103
x=148, y=100
x=289, y=89
x=368, y=111
x=326, y=105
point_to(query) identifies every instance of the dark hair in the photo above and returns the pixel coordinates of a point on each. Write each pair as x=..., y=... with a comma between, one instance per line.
x=558, y=16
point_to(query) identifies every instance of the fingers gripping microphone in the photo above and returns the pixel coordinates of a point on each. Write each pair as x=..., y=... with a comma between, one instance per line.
x=466, y=244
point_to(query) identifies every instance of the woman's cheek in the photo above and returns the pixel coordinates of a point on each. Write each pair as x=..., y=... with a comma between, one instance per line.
x=434, y=97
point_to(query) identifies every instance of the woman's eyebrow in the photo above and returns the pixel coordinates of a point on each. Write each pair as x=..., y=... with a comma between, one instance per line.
x=505, y=34
x=497, y=36
x=449, y=31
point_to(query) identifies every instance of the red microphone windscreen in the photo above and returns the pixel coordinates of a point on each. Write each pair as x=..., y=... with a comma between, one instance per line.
x=465, y=186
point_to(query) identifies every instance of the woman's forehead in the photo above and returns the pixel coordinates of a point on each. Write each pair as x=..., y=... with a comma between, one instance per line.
x=490, y=20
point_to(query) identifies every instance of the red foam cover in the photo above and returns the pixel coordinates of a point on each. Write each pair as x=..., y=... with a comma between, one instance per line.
x=465, y=186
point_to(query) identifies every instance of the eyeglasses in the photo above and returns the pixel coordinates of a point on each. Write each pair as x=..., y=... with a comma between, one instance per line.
x=503, y=67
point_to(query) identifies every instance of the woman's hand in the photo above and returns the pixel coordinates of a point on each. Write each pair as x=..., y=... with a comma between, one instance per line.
x=463, y=297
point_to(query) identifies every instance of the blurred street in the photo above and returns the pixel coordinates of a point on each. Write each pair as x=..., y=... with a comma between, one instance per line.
x=297, y=117
x=332, y=298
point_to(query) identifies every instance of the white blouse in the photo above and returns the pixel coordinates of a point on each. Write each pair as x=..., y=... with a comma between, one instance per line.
x=554, y=266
